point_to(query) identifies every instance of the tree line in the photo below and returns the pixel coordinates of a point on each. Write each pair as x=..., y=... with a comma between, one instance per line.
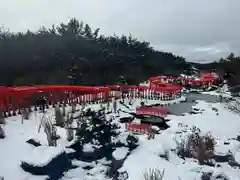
x=74, y=53
x=228, y=68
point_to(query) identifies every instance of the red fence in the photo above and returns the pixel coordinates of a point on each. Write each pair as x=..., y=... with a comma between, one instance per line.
x=152, y=111
x=12, y=99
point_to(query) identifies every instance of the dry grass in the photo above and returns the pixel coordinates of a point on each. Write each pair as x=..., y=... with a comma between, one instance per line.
x=68, y=126
x=49, y=129
x=25, y=112
x=69, y=122
x=153, y=174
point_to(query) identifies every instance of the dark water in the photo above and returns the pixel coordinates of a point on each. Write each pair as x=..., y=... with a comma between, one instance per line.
x=185, y=107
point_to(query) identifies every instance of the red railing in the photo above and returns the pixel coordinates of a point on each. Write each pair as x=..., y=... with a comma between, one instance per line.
x=12, y=99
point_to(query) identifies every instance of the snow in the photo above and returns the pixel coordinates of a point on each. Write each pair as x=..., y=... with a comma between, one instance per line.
x=14, y=147
x=223, y=126
x=120, y=153
x=42, y=155
x=88, y=148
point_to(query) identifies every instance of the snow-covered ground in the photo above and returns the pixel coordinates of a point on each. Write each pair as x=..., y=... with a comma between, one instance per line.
x=214, y=118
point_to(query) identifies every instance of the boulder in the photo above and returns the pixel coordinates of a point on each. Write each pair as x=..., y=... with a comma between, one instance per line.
x=33, y=142
x=45, y=160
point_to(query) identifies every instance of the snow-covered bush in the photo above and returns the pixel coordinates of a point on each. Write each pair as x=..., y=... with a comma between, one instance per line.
x=99, y=138
x=153, y=174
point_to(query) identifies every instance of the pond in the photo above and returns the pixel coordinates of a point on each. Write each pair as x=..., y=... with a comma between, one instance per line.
x=185, y=107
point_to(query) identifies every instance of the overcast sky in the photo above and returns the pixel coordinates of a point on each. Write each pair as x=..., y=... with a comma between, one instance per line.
x=195, y=29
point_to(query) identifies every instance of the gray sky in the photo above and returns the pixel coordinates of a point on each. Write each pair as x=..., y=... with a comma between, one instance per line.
x=195, y=29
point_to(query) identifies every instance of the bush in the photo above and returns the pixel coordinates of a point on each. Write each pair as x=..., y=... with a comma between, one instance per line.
x=2, y=118
x=197, y=146
x=153, y=174
x=2, y=133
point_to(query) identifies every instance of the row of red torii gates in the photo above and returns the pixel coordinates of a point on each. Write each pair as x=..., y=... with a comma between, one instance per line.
x=13, y=99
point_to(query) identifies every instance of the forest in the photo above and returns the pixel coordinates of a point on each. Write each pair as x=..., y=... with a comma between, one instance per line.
x=228, y=68
x=74, y=53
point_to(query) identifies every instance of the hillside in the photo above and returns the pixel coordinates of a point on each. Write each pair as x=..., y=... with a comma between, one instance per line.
x=46, y=57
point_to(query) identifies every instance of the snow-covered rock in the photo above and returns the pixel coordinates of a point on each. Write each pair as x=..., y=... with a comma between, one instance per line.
x=120, y=153
x=44, y=160
x=88, y=148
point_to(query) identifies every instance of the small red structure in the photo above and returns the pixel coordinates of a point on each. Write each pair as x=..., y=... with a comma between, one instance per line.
x=139, y=128
x=152, y=111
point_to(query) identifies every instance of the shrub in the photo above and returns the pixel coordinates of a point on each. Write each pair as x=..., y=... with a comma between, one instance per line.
x=2, y=118
x=59, y=118
x=153, y=174
x=197, y=146
x=2, y=133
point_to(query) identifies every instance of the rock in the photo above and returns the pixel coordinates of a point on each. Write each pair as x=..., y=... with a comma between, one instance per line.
x=132, y=142
x=226, y=142
x=118, y=158
x=45, y=160
x=126, y=119
x=238, y=138
x=33, y=142
x=223, y=158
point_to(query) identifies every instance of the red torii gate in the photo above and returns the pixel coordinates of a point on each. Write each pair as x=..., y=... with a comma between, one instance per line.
x=14, y=98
